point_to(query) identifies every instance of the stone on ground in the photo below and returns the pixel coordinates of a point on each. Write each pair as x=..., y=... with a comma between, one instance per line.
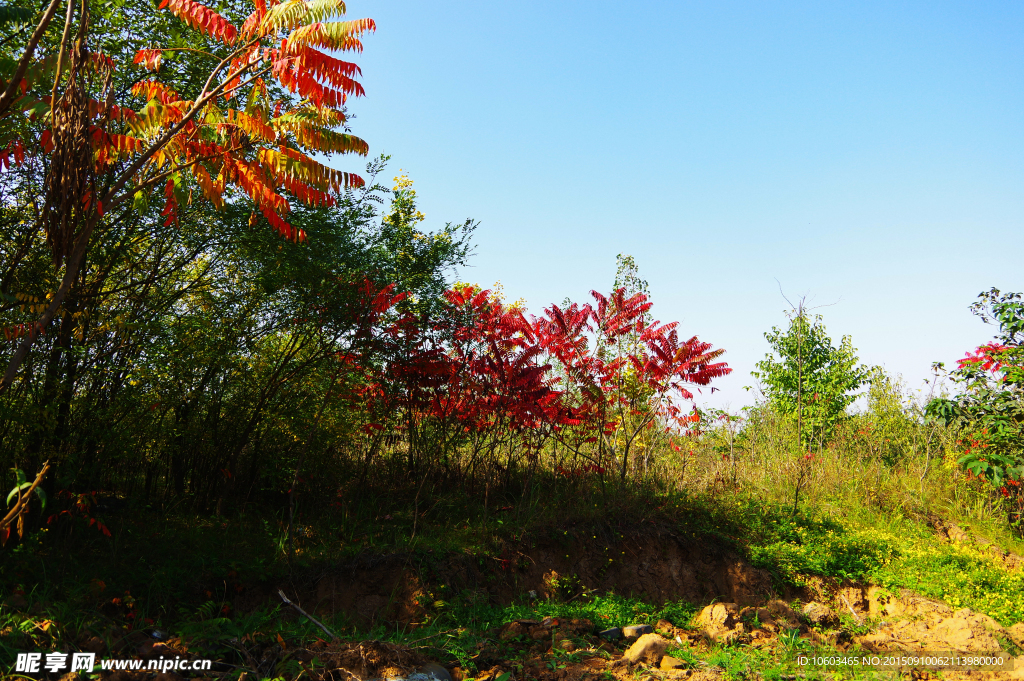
x=718, y=617
x=649, y=648
x=666, y=626
x=821, y=615
x=435, y=671
x=1016, y=634
x=780, y=610
x=637, y=630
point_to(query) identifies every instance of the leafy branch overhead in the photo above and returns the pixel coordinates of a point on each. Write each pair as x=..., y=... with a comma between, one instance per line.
x=116, y=136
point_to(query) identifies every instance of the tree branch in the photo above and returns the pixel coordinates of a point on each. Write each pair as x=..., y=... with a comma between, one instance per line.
x=7, y=98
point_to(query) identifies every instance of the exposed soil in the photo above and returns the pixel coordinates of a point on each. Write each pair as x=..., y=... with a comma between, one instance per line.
x=654, y=563
x=571, y=650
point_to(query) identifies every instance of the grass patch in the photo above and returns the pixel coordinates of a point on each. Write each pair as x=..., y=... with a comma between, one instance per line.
x=894, y=552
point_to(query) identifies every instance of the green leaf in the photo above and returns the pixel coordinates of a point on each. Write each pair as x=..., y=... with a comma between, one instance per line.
x=15, y=15
x=14, y=492
x=140, y=201
x=42, y=497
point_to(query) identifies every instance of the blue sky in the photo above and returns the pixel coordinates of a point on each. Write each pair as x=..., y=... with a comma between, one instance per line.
x=867, y=155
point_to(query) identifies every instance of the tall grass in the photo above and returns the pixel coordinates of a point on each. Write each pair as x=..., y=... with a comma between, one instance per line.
x=859, y=507
x=887, y=460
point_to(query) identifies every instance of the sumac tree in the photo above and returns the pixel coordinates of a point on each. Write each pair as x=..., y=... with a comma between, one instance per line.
x=613, y=398
x=258, y=95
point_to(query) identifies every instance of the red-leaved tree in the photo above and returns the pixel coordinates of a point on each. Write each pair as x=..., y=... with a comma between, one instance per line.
x=273, y=98
x=624, y=373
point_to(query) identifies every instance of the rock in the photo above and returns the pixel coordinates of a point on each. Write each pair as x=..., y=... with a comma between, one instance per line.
x=637, y=630
x=512, y=630
x=957, y=534
x=780, y=610
x=734, y=636
x=1016, y=634
x=489, y=654
x=649, y=648
x=567, y=645
x=758, y=617
x=420, y=675
x=435, y=671
x=721, y=623
x=539, y=633
x=94, y=644
x=718, y=616
x=937, y=629
x=998, y=551
x=820, y=614
x=613, y=634
x=669, y=662
x=491, y=674
x=578, y=627
x=666, y=626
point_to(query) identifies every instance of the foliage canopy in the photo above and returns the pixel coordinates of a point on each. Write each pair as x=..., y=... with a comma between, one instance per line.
x=809, y=378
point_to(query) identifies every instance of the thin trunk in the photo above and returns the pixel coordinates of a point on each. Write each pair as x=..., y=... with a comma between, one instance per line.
x=10, y=95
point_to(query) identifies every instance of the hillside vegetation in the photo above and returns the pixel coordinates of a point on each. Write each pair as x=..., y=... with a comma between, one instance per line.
x=237, y=375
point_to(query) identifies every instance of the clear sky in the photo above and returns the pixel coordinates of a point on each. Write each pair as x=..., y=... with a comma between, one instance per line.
x=868, y=155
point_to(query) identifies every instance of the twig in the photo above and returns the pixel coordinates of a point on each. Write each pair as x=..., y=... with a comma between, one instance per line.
x=19, y=505
x=431, y=636
x=416, y=509
x=307, y=615
x=852, y=611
